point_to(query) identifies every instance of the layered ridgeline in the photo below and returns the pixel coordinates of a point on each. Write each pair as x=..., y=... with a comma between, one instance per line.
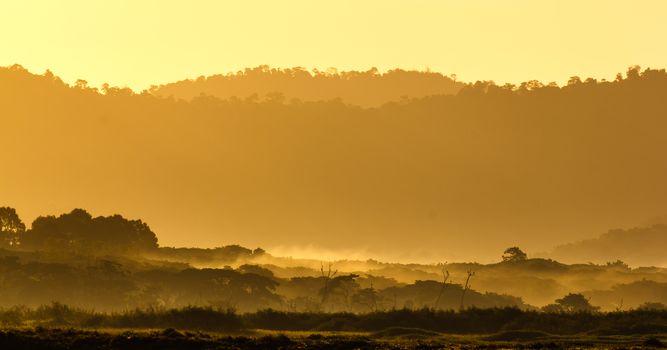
x=435, y=176
x=113, y=263
x=366, y=89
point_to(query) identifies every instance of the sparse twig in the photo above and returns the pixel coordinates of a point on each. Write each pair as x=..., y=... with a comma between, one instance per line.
x=465, y=288
x=327, y=278
x=445, y=277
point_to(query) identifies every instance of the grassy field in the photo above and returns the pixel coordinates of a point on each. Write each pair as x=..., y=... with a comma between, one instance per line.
x=58, y=326
x=391, y=338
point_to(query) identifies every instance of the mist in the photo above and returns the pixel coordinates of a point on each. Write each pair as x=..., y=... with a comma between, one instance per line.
x=433, y=175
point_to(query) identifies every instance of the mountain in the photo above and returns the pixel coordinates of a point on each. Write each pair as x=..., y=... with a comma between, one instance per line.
x=439, y=178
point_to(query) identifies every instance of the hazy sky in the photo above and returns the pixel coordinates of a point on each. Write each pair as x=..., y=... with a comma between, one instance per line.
x=139, y=43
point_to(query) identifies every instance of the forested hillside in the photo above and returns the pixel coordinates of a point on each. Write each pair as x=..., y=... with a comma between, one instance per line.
x=367, y=89
x=544, y=163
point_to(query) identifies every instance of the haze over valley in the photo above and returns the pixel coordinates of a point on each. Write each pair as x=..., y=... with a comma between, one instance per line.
x=376, y=174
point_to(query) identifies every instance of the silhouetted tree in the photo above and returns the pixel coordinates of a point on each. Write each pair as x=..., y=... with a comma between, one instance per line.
x=573, y=302
x=514, y=254
x=618, y=264
x=11, y=227
x=339, y=291
x=366, y=299
x=79, y=231
x=652, y=305
x=327, y=277
x=256, y=269
x=466, y=287
x=445, y=277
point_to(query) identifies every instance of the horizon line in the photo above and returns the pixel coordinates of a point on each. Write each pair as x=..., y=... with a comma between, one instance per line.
x=314, y=71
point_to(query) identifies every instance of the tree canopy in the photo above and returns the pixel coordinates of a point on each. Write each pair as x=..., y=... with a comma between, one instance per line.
x=531, y=159
x=11, y=227
x=572, y=302
x=80, y=231
x=514, y=254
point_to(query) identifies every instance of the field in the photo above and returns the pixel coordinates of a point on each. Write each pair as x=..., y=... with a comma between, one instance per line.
x=394, y=338
x=59, y=326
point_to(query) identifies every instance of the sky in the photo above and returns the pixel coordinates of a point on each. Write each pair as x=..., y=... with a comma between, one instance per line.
x=139, y=43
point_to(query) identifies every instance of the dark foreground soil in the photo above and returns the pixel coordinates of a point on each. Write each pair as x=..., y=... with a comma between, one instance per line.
x=75, y=339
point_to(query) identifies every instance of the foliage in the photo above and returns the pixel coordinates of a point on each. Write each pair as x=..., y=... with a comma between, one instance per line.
x=514, y=254
x=469, y=321
x=573, y=303
x=435, y=149
x=111, y=279
x=653, y=306
x=368, y=89
x=78, y=231
x=11, y=227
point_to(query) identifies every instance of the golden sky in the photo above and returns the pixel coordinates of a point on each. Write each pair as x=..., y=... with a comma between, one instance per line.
x=139, y=43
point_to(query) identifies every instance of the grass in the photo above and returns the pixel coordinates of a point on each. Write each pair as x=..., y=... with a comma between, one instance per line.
x=58, y=327
x=393, y=338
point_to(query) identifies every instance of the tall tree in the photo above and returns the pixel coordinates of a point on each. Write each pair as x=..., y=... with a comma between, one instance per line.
x=11, y=227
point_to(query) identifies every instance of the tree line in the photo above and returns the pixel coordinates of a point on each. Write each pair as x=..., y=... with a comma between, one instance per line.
x=76, y=231
x=113, y=263
x=367, y=89
x=517, y=155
